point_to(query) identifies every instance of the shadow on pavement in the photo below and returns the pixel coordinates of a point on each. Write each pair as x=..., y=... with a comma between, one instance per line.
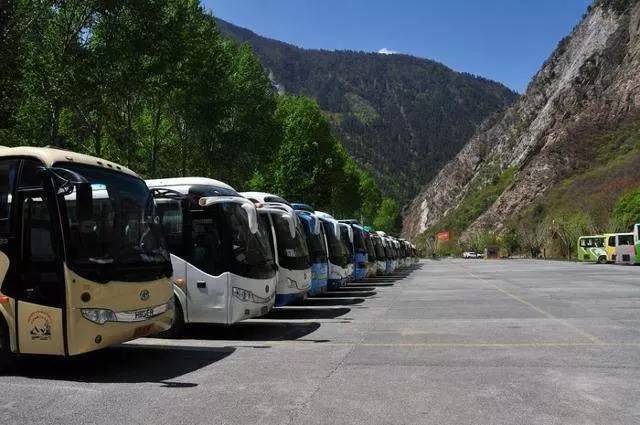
x=332, y=301
x=254, y=330
x=306, y=313
x=124, y=364
x=340, y=294
x=370, y=284
x=352, y=289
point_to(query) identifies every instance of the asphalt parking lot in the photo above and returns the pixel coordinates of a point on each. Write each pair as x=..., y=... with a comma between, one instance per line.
x=454, y=342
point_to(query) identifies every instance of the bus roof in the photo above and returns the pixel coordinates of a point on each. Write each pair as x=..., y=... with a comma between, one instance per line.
x=592, y=236
x=187, y=181
x=264, y=197
x=298, y=206
x=51, y=155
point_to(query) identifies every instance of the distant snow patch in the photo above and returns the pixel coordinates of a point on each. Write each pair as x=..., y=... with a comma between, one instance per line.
x=385, y=51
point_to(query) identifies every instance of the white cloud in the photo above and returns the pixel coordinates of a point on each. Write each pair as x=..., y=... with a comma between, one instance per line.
x=385, y=51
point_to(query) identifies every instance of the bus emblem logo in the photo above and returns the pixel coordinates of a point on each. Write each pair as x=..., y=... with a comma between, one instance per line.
x=266, y=289
x=144, y=295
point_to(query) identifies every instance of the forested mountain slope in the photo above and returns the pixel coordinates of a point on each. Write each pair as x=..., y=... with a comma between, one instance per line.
x=565, y=152
x=399, y=116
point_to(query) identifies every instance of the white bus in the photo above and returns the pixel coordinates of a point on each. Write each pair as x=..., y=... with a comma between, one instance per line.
x=390, y=252
x=340, y=263
x=290, y=247
x=223, y=263
x=381, y=256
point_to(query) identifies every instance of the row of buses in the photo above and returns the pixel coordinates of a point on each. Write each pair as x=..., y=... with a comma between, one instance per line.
x=619, y=248
x=91, y=255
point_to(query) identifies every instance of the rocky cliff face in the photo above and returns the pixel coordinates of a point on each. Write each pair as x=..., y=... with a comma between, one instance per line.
x=590, y=83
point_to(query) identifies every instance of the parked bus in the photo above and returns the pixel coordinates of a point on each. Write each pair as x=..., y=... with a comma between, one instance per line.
x=372, y=261
x=291, y=251
x=318, y=249
x=82, y=262
x=359, y=249
x=636, y=238
x=346, y=235
x=625, y=249
x=618, y=243
x=591, y=249
x=390, y=265
x=224, y=267
x=340, y=260
x=381, y=257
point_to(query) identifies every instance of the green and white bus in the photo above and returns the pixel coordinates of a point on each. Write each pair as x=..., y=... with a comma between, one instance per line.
x=636, y=238
x=591, y=249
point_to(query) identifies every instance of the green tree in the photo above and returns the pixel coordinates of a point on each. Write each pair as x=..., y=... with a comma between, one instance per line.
x=626, y=211
x=568, y=228
x=388, y=216
x=308, y=161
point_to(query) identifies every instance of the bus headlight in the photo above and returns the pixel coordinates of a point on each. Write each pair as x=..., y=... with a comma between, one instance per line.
x=292, y=283
x=171, y=304
x=98, y=315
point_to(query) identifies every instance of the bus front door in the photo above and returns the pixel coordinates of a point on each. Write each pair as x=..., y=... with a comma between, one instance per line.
x=39, y=279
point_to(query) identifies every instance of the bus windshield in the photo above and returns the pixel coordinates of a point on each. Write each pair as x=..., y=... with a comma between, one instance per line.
x=315, y=243
x=370, y=250
x=377, y=244
x=344, y=236
x=292, y=251
x=112, y=233
x=338, y=254
x=358, y=240
x=220, y=240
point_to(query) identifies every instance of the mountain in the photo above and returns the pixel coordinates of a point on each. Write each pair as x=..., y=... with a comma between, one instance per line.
x=399, y=116
x=569, y=146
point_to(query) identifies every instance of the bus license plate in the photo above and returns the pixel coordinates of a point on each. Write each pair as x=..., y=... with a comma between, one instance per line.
x=144, y=314
x=142, y=331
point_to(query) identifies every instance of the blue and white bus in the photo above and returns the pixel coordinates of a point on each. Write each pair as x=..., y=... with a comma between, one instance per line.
x=318, y=249
x=360, y=254
x=389, y=250
x=340, y=260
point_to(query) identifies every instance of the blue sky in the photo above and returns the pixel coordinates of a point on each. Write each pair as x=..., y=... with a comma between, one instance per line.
x=505, y=40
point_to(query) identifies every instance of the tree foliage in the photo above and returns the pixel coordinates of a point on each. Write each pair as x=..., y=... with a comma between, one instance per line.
x=153, y=85
x=626, y=211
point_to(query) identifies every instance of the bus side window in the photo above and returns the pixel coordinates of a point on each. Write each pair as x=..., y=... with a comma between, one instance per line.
x=612, y=241
x=171, y=221
x=8, y=169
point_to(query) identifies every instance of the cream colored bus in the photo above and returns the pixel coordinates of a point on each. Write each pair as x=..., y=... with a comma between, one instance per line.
x=82, y=262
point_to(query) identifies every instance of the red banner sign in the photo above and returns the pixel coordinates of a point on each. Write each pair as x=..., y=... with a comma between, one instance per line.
x=443, y=236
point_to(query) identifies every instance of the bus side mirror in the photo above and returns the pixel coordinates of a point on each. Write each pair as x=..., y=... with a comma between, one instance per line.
x=292, y=224
x=4, y=265
x=84, y=201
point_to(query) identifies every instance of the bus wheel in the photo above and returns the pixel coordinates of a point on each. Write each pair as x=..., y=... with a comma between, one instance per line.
x=7, y=358
x=602, y=259
x=178, y=323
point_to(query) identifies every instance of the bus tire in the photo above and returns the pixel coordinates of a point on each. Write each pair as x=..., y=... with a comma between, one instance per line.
x=178, y=325
x=7, y=358
x=602, y=259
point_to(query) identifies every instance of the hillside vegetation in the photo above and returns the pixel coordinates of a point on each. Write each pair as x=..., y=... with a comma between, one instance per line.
x=400, y=117
x=153, y=85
